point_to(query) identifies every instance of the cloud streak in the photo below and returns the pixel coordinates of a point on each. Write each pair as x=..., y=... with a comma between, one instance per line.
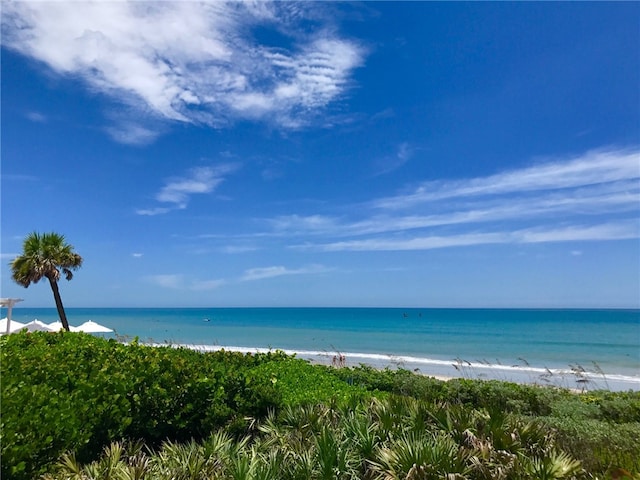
x=183, y=282
x=177, y=191
x=279, y=271
x=206, y=69
x=595, y=201
x=177, y=281
x=602, y=232
x=593, y=168
x=591, y=197
x=36, y=117
x=389, y=164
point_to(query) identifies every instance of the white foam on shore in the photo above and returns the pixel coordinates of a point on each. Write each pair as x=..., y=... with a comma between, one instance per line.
x=449, y=368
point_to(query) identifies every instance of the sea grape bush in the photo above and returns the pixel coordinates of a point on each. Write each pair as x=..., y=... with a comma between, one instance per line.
x=300, y=383
x=76, y=392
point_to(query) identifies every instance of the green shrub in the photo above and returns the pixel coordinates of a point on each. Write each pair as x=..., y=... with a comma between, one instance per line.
x=600, y=446
x=69, y=391
x=511, y=397
x=299, y=382
x=575, y=408
x=619, y=407
x=399, y=382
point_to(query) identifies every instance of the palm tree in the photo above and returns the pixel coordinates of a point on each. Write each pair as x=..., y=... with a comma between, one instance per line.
x=46, y=255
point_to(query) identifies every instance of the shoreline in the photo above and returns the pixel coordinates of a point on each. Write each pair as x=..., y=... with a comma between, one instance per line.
x=577, y=379
x=580, y=350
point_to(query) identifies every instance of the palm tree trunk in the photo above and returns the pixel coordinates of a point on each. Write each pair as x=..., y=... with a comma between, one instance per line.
x=56, y=296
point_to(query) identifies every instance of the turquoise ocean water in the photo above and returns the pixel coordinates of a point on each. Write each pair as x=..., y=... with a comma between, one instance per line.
x=540, y=346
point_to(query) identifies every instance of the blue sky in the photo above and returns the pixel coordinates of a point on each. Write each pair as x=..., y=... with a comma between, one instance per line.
x=326, y=154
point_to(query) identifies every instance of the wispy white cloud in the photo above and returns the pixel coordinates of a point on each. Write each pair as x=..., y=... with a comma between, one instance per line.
x=8, y=256
x=199, y=180
x=168, y=280
x=278, y=271
x=150, y=212
x=595, y=201
x=593, y=168
x=592, y=197
x=137, y=255
x=620, y=230
x=178, y=190
x=206, y=284
x=130, y=133
x=36, y=117
x=388, y=164
x=602, y=232
x=182, y=282
x=292, y=224
x=235, y=249
x=206, y=68
x=417, y=243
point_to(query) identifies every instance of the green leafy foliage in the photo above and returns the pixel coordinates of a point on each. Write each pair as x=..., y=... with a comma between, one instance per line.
x=298, y=382
x=76, y=392
x=619, y=407
x=66, y=398
x=601, y=445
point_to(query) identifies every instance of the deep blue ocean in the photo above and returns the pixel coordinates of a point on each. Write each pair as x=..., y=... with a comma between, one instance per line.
x=531, y=345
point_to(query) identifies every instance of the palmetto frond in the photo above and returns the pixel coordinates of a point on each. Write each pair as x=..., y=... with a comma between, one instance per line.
x=70, y=467
x=184, y=461
x=420, y=456
x=555, y=465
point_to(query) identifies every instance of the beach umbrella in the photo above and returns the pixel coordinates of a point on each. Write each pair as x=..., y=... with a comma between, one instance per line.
x=13, y=327
x=57, y=326
x=37, y=326
x=92, y=327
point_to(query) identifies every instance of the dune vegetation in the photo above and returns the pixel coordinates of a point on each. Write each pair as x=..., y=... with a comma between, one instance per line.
x=80, y=407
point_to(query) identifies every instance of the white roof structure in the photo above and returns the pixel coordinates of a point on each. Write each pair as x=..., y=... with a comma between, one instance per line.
x=9, y=302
